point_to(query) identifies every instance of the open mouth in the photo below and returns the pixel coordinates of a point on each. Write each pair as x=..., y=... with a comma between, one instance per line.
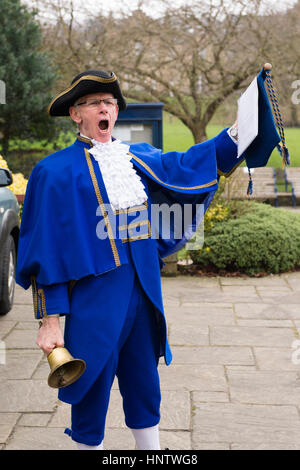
x=103, y=125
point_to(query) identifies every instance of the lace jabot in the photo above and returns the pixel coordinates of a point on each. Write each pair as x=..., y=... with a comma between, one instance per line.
x=123, y=185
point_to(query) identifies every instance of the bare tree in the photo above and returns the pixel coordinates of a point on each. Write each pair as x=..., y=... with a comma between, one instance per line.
x=191, y=57
x=286, y=61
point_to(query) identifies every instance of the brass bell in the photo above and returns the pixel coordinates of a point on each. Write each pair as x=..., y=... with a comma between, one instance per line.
x=64, y=368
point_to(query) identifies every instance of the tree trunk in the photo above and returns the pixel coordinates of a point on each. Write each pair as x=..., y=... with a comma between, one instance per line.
x=199, y=132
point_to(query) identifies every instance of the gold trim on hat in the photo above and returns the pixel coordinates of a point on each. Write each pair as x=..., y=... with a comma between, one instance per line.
x=84, y=77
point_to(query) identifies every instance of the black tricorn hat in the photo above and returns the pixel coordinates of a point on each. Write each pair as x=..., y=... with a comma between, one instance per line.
x=88, y=82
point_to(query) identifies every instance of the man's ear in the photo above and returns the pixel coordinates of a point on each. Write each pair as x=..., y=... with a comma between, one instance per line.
x=75, y=114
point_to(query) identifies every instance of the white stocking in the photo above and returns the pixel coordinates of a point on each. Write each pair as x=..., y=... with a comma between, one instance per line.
x=81, y=446
x=147, y=438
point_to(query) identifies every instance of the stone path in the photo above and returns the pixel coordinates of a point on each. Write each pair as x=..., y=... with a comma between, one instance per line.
x=234, y=382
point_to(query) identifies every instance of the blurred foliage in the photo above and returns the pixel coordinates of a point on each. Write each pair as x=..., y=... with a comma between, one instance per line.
x=254, y=238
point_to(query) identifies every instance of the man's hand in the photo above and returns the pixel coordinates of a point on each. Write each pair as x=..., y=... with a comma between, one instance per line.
x=50, y=335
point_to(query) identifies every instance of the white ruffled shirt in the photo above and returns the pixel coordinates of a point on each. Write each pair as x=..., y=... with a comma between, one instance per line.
x=123, y=185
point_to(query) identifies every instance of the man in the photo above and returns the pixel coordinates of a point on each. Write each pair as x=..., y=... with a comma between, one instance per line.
x=87, y=249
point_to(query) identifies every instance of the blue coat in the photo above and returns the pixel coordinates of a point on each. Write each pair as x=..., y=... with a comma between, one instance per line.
x=59, y=249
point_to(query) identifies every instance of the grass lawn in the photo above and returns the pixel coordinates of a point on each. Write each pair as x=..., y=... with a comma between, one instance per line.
x=176, y=136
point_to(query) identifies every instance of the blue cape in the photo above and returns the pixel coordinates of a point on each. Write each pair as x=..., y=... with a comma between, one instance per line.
x=58, y=240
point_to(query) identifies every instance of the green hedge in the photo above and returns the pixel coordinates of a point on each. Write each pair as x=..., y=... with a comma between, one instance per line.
x=256, y=238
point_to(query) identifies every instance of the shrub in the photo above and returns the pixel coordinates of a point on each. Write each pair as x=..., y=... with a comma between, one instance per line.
x=253, y=238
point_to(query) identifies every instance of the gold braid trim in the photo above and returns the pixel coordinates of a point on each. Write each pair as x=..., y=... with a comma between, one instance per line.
x=147, y=168
x=142, y=207
x=34, y=296
x=42, y=304
x=104, y=212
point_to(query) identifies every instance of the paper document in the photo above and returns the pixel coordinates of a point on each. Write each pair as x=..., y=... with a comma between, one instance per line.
x=247, y=117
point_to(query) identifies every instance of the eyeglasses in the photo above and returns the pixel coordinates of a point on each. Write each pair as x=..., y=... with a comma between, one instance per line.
x=95, y=104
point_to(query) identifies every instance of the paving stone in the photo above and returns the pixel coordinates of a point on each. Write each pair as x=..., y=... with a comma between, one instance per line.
x=265, y=387
x=267, y=323
x=266, y=446
x=118, y=439
x=115, y=414
x=241, y=290
x=26, y=395
x=285, y=298
x=175, y=410
x=244, y=424
x=277, y=358
x=21, y=339
x=232, y=383
x=248, y=281
x=6, y=326
x=265, y=311
x=181, y=283
x=252, y=336
x=294, y=275
x=43, y=370
x=31, y=438
x=61, y=417
x=7, y=423
x=273, y=291
x=182, y=334
x=22, y=296
x=20, y=364
x=21, y=312
x=203, y=315
x=213, y=282
x=27, y=325
x=222, y=297
x=214, y=397
x=34, y=419
x=256, y=310
x=197, y=295
x=193, y=377
x=291, y=310
x=170, y=301
x=175, y=440
x=210, y=446
x=214, y=355
x=294, y=283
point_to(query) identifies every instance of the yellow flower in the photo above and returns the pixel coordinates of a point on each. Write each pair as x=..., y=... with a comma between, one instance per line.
x=19, y=183
x=3, y=163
